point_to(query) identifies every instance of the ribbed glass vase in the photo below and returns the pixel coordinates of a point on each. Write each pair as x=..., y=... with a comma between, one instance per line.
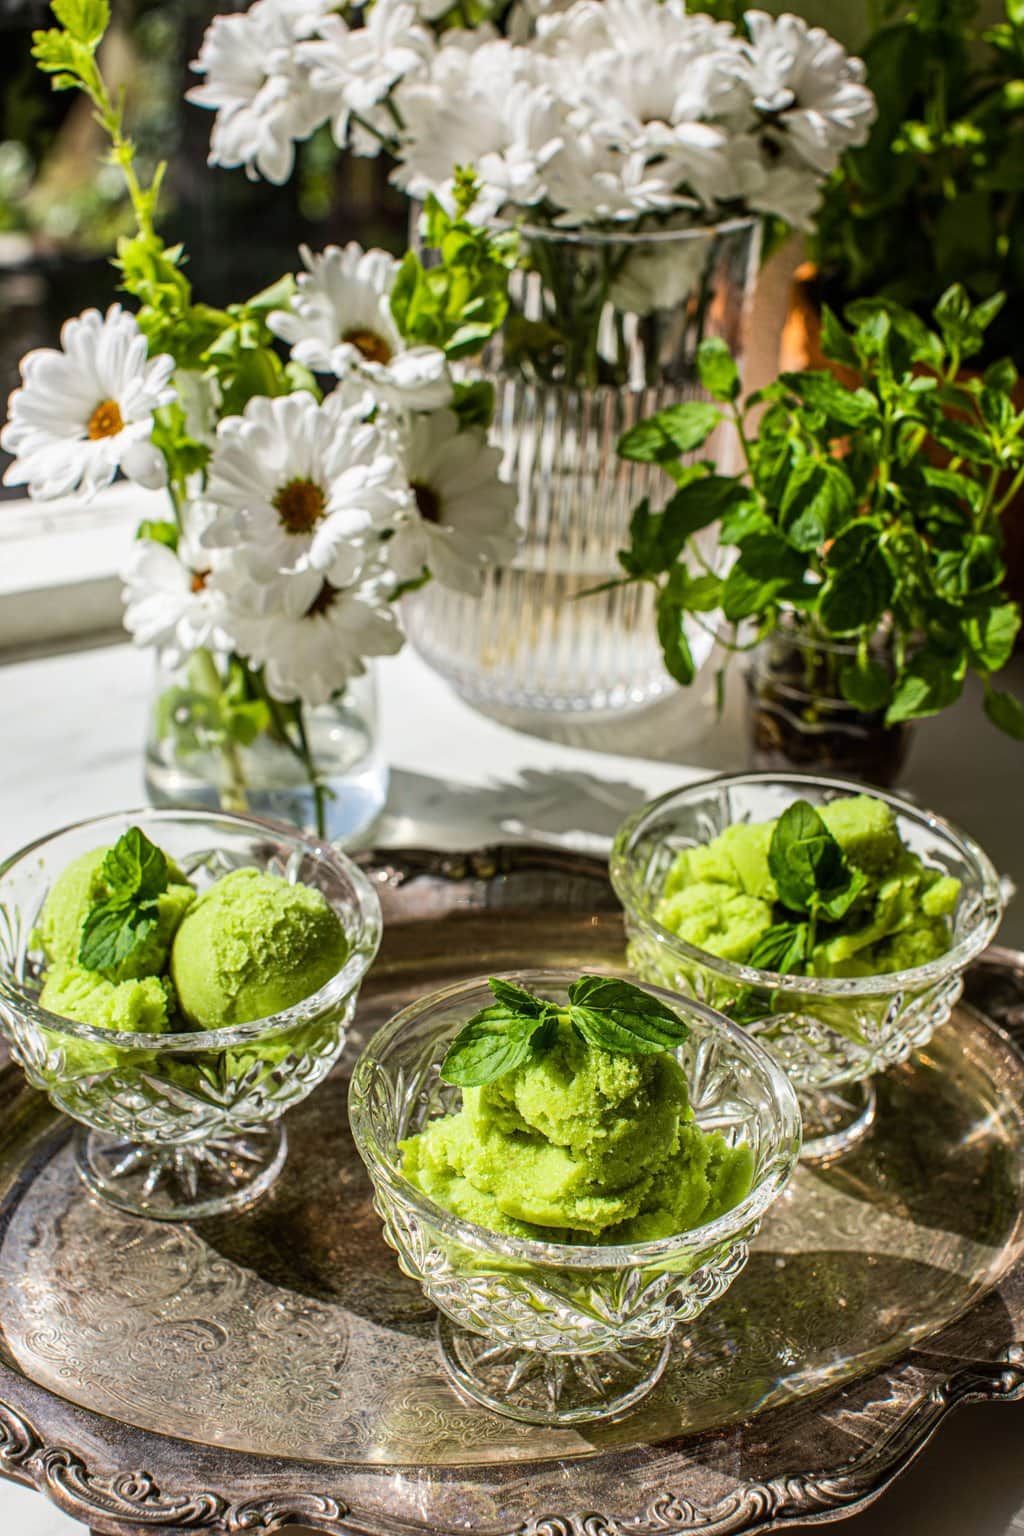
x=604, y=331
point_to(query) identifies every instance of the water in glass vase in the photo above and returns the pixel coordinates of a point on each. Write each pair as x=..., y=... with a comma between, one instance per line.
x=195, y=759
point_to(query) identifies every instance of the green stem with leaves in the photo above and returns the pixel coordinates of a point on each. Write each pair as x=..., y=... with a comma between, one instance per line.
x=234, y=792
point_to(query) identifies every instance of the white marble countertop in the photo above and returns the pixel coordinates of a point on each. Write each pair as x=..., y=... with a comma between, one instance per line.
x=71, y=746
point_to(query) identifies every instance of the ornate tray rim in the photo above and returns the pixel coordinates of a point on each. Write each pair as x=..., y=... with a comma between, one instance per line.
x=122, y=1481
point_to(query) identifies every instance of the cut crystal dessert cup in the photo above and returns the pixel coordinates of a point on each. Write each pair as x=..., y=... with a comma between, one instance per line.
x=184, y=1124
x=558, y=1333
x=831, y=1034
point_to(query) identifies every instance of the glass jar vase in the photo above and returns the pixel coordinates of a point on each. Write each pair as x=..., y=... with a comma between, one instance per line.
x=798, y=718
x=603, y=331
x=215, y=743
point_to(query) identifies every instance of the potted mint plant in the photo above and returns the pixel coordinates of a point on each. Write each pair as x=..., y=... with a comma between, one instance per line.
x=865, y=579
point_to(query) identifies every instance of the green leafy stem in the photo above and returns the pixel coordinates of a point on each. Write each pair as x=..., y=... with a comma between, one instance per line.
x=863, y=511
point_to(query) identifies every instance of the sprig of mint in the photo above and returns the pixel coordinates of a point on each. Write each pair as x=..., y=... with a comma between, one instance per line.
x=814, y=878
x=608, y=1013
x=135, y=874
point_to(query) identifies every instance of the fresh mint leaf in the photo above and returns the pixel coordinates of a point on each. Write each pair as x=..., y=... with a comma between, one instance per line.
x=718, y=372
x=517, y=998
x=615, y=1015
x=841, y=405
x=806, y=862
x=1006, y=712
x=990, y=636
x=819, y=496
x=135, y=867
x=495, y=1041
x=783, y=949
x=673, y=639
x=667, y=434
x=865, y=684
x=135, y=874
x=930, y=682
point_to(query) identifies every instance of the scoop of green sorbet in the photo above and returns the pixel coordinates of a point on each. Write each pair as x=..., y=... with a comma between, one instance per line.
x=141, y=1005
x=579, y=1144
x=721, y=897
x=253, y=945
x=80, y=887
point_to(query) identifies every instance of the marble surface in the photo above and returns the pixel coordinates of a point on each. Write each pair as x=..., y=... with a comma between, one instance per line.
x=71, y=746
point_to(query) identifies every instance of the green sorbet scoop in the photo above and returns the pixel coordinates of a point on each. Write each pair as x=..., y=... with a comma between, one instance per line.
x=253, y=945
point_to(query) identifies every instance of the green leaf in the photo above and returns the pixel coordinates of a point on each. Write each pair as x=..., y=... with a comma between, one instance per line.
x=667, y=434
x=495, y=1041
x=866, y=684
x=672, y=637
x=822, y=392
x=783, y=948
x=697, y=594
x=928, y=684
x=617, y=1016
x=1006, y=712
x=135, y=867
x=806, y=863
x=836, y=342
x=990, y=636
x=111, y=933
x=697, y=505
x=517, y=998
x=718, y=372
x=819, y=496
x=1001, y=375
x=158, y=531
x=85, y=20
x=767, y=570
x=134, y=873
x=473, y=403
x=644, y=556
x=859, y=584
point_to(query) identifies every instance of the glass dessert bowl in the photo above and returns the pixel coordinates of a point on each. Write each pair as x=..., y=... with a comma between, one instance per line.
x=564, y=1332
x=181, y=1123
x=831, y=1033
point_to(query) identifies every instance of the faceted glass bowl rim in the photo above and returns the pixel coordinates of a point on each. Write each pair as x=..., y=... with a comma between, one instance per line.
x=364, y=940
x=636, y=900
x=384, y=1171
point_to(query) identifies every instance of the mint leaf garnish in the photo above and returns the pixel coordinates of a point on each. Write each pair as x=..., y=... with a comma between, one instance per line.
x=617, y=1016
x=135, y=874
x=782, y=948
x=809, y=867
x=611, y=1014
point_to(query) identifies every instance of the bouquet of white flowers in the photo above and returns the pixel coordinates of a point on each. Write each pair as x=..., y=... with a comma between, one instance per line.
x=303, y=496
x=618, y=118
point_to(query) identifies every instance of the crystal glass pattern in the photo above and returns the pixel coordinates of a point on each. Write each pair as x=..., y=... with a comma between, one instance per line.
x=181, y=1124
x=829, y=1033
x=555, y=1333
x=526, y=646
x=194, y=762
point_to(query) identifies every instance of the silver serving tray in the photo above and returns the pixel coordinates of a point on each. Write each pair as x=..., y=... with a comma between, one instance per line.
x=275, y=1367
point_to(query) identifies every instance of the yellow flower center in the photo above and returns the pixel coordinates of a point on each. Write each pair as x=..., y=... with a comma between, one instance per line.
x=105, y=421
x=373, y=347
x=428, y=502
x=300, y=505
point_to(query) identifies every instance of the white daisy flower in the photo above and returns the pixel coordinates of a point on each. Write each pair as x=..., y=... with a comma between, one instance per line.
x=302, y=490
x=804, y=84
x=484, y=107
x=86, y=411
x=340, y=322
x=357, y=67
x=171, y=603
x=313, y=654
x=774, y=182
x=259, y=87
x=464, y=516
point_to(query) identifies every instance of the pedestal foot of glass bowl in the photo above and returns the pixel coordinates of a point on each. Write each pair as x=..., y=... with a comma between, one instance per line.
x=543, y=1388
x=181, y=1183
x=835, y=1119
